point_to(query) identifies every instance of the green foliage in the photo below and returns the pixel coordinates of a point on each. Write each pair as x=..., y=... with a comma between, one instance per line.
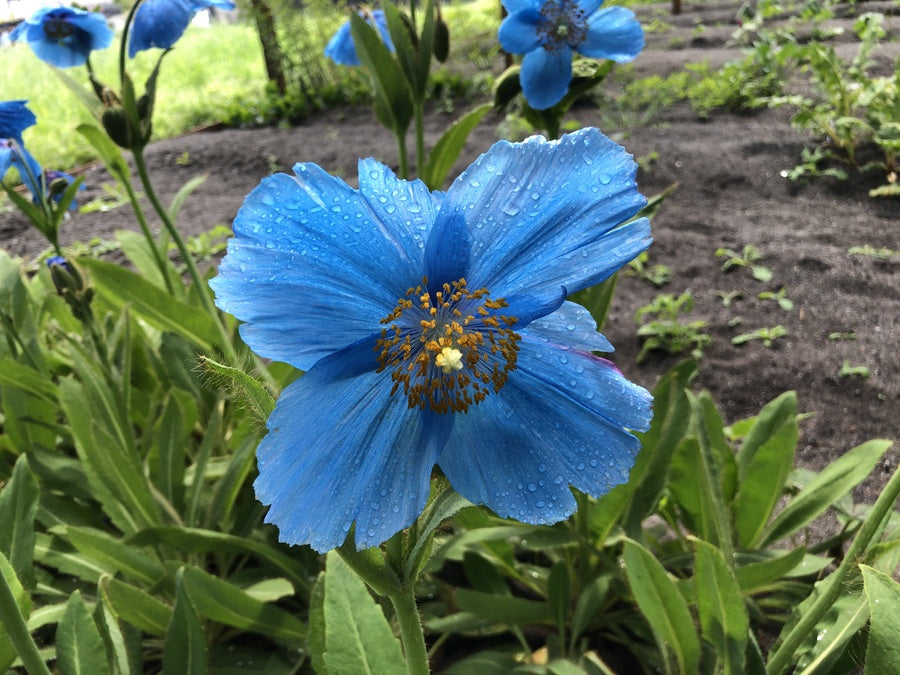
x=661, y=326
x=657, y=275
x=747, y=258
x=767, y=335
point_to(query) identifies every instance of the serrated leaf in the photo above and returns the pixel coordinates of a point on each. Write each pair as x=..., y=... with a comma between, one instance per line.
x=184, y=650
x=18, y=506
x=16, y=607
x=79, y=647
x=663, y=606
x=358, y=638
x=27, y=379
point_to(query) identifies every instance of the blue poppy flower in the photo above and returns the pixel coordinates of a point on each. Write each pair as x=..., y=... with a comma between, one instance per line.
x=52, y=176
x=15, y=117
x=63, y=36
x=13, y=154
x=342, y=50
x=160, y=23
x=434, y=330
x=548, y=31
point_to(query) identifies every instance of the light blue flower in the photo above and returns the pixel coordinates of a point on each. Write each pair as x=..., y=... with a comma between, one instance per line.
x=434, y=330
x=63, y=36
x=160, y=23
x=548, y=31
x=15, y=117
x=13, y=154
x=342, y=50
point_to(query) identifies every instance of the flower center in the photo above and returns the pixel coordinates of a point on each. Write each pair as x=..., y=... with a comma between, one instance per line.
x=57, y=28
x=563, y=22
x=447, y=349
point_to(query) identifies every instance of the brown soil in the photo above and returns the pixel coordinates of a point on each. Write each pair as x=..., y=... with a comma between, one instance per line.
x=730, y=193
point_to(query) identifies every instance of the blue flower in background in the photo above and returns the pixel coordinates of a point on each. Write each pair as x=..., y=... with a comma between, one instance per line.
x=160, y=23
x=548, y=31
x=342, y=50
x=63, y=36
x=433, y=329
x=15, y=117
x=52, y=176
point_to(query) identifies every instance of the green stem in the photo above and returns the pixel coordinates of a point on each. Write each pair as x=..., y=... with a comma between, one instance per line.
x=148, y=235
x=17, y=631
x=403, y=158
x=887, y=500
x=419, y=111
x=411, y=634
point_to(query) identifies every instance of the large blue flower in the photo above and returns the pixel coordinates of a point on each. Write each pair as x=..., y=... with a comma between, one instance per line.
x=342, y=50
x=548, y=31
x=64, y=36
x=433, y=329
x=160, y=23
x=15, y=117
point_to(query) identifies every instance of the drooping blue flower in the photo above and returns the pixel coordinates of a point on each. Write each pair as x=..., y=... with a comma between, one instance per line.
x=15, y=117
x=433, y=329
x=548, y=31
x=13, y=154
x=63, y=36
x=160, y=23
x=342, y=50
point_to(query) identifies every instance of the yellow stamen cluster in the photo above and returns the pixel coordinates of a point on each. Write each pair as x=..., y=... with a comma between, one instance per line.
x=449, y=349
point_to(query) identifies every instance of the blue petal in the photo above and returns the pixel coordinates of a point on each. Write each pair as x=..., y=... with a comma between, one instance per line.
x=14, y=119
x=559, y=421
x=570, y=326
x=545, y=76
x=341, y=449
x=513, y=6
x=159, y=23
x=542, y=214
x=613, y=33
x=341, y=48
x=589, y=6
x=518, y=33
x=314, y=266
x=89, y=32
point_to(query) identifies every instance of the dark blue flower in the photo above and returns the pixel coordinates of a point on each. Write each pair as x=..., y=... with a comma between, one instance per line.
x=548, y=31
x=64, y=36
x=433, y=329
x=340, y=47
x=58, y=261
x=13, y=154
x=160, y=23
x=15, y=117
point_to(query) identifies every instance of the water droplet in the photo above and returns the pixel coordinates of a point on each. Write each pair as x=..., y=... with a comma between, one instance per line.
x=603, y=178
x=532, y=487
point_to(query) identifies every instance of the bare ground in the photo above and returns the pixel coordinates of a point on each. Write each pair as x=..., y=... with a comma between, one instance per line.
x=730, y=193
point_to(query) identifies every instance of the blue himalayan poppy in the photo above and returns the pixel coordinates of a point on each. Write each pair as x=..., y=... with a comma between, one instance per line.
x=342, y=50
x=160, y=23
x=434, y=330
x=63, y=36
x=547, y=32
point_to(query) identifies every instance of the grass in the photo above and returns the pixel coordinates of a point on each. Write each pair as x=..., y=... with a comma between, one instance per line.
x=207, y=70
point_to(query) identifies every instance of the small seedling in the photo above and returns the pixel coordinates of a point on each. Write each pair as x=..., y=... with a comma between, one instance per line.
x=184, y=159
x=853, y=371
x=849, y=335
x=728, y=297
x=658, y=275
x=872, y=252
x=766, y=335
x=666, y=332
x=113, y=199
x=780, y=297
x=747, y=258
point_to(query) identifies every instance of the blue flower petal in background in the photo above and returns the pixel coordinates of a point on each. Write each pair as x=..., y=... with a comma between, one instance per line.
x=548, y=31
x=14, y=155
x=53, y=175
x=63, y=36
x=15, y=117
x=476, y=364
x=160, y=23
x=340, y=47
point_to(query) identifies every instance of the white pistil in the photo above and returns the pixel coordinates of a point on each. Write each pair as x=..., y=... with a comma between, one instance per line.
x=448, y=360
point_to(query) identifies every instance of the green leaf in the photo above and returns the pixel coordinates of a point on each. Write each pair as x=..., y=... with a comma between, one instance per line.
x=18, y=506
x=404, y=50
x=15, y=607
x=167, y=455
x=883, y=595
x=246, y=389
x=558, y=594
x=114, y=640
x=184, y=650
x=358, y=638
x=508, y=610
x=222, y=601
x=834, y=481
x=197, y=540
x=28, y=379
x=847, y=617
x=122, y=288
x=723, y=616
x=663, y=606
x=109, y=152
x=316, y=634
x=135, y=606
x=764, y=462
x=393, y=104
x=183, y=193
x=136, y=247
x=756, y=574
x=114, y=553
x=589, y=603
x=446, y=151
x=79, y=647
